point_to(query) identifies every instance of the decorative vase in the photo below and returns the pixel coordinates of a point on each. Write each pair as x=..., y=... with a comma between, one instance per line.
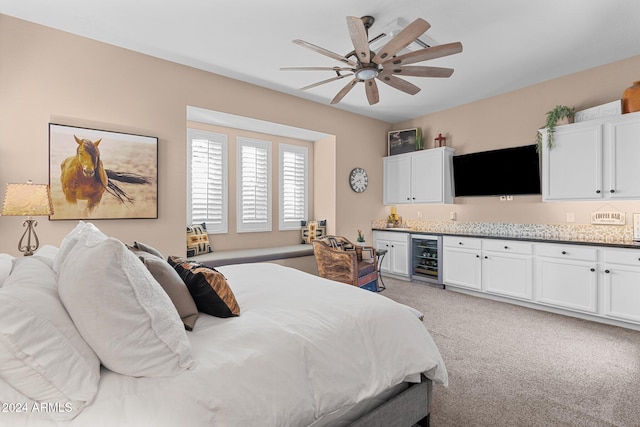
x=419, y=140
x=564, y=121
x=631, y=98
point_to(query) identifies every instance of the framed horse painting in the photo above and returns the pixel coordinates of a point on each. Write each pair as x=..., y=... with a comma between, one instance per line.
x=99, y=174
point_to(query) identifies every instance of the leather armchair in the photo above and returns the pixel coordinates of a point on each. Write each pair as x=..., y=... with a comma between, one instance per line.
x=340, y=260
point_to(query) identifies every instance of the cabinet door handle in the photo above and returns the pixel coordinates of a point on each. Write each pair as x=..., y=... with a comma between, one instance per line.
x=564, y=252
x=477, y=256
x=612, y=191
x=460, y=243
x=593, y=269
x=506, y=247
x=598, y=191
x=486, y=257
x=607, y=271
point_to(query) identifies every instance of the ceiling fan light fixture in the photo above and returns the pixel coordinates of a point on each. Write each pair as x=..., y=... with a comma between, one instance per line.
x=366, y=73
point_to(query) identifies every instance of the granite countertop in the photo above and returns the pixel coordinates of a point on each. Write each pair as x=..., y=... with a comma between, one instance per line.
x=629, y=244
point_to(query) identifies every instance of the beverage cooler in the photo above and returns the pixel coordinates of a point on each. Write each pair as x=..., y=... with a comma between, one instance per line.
x=426, y=258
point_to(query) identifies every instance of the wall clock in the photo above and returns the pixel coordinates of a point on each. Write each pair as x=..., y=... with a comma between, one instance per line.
x=358, y=180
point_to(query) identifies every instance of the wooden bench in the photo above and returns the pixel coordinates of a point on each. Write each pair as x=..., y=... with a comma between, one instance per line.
x=296, y=256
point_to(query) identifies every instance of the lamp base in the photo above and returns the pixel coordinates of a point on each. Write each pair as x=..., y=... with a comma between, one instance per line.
x=29, y=248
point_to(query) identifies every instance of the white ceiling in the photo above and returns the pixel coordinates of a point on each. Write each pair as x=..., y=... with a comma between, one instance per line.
x=508, y=44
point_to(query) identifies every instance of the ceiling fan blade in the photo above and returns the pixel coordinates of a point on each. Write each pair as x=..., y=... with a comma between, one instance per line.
x=345, y=90
x=426, y=54
x=336, y=69
x=403, y=39
x=398, y=83
x=358, y=34
x=419, y=71
x=325, y=81
x=372, y=91
x=324, y=52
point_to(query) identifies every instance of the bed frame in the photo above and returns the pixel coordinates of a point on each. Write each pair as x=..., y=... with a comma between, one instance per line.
x=410, y=407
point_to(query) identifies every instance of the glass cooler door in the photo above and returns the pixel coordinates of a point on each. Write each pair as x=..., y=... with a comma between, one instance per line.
x=425, y=261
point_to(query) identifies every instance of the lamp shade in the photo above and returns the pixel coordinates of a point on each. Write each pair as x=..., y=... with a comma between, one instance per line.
x=27, y=200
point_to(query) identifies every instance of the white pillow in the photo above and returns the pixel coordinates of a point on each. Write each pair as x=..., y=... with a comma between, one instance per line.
x=42, y=355
x=46, y=254
x=70, y=240
x=5, y=267
x=120, y=309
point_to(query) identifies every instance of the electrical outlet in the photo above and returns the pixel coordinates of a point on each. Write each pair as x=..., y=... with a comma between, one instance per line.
x=571, y=217
x=452, y=216
x=419, y=214
x=509, y=198
x=503, y=198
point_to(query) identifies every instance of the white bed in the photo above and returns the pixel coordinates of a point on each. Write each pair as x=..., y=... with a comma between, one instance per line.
x=305, y=351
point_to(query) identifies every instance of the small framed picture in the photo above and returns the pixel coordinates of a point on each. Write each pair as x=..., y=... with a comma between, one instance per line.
x=402, y=141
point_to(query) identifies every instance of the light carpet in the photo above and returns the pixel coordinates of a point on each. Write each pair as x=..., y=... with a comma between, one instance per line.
x=514, y=366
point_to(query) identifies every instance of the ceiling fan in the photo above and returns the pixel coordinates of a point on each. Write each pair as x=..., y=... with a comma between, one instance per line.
x=366, y=65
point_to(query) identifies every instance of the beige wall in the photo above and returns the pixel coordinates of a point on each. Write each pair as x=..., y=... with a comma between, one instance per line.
x=51, y=76
x=511, y=120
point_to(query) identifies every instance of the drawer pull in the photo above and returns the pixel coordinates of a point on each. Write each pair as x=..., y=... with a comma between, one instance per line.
x=564, y=252
x=460, y=243
x=477, y=256
x=486, y=257
x=612, y=191
x=506, y=247
x=607, y=271
x=598, y=191
x=593, y=269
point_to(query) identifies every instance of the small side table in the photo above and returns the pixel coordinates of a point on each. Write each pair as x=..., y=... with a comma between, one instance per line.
x=381, y=253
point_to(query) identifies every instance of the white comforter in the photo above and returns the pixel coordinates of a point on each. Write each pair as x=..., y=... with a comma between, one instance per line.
x=303, y=348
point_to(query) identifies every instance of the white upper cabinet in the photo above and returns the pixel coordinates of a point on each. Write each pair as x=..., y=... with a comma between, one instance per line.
x=420, y=177
x=624, y=159
x=593, y=160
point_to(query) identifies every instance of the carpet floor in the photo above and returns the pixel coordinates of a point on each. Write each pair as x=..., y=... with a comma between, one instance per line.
x=512, y=366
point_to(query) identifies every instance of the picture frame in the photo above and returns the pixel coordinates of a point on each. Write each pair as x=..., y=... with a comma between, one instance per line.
x=401, y=141
x=102, y=174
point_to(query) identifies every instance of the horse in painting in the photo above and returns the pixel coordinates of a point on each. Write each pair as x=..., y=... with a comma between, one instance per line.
x=83, y=177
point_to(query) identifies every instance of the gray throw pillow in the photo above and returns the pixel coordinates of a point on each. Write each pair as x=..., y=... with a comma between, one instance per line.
x=146, y=248
x=175, y=288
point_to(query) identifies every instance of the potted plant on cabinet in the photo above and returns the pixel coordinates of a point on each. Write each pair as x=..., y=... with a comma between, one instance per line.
x=360, y=238
x=560, y=112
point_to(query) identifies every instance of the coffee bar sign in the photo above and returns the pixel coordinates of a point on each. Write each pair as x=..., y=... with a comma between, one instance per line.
x=608, y=218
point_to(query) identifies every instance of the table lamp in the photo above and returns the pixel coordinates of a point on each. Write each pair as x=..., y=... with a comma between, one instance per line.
x=27, y=200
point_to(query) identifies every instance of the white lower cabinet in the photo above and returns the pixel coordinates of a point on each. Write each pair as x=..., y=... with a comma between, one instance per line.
x=567, y=280
x=495, y=266
x=507, y=268
x=462, y=263
x=396, y=261
x=621, y=284
x=598, y=282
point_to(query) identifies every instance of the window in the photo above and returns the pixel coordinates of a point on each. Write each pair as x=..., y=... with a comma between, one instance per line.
x=254, y=185
x=207, y=180
x=293, y=186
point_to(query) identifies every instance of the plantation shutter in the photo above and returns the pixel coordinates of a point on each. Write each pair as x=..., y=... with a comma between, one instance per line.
x=254, y=185
x=293, y=186
x=208, y=180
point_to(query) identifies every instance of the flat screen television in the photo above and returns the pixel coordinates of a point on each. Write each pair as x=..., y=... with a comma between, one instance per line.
x=507, y=171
